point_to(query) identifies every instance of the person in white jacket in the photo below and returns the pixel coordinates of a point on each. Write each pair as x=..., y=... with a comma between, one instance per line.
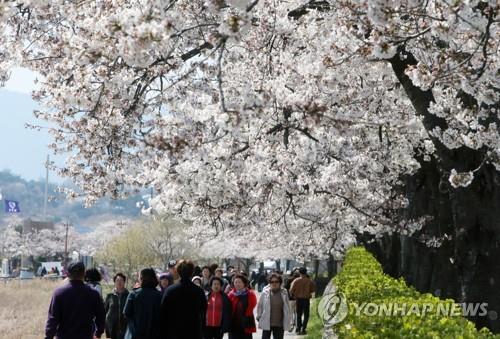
x=273, y=309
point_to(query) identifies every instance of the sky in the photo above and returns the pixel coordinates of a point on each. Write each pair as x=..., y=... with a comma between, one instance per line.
x=23, y=151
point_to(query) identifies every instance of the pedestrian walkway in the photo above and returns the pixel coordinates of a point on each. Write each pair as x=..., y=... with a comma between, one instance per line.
x=258, y=335
x=288, y=335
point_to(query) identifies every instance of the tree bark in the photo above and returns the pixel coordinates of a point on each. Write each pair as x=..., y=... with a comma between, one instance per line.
x=278, y=265
x=465, y=267
x=331, y=266
x=316, y=268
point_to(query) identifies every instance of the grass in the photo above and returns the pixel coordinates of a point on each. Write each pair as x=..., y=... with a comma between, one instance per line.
x=314, y=327
x=24, y=306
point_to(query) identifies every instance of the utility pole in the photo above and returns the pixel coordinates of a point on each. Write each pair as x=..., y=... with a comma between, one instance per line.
x=66, y=244
x=45, y=196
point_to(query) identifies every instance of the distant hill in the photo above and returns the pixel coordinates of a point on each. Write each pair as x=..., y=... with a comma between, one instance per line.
x=30, y=195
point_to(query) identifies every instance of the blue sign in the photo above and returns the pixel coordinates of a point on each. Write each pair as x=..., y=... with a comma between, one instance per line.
x=12, y=206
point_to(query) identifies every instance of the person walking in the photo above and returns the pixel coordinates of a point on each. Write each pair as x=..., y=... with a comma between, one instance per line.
x=218, y=311
x=219, y=272
x=197, y=281
x=116, y=324
x=142, y=308
x=261, y=279
x=253, y=279
x=293, y=303
x=93, y=278
x=172, y=269
x=183, y=306
x=166, y=279
x=302, y=289
x=206, y=275
x=243, y=301
x=75, y=308
x=273, y=309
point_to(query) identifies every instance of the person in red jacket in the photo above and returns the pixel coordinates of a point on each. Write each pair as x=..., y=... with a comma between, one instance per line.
x=219, y=310
x=243, y=301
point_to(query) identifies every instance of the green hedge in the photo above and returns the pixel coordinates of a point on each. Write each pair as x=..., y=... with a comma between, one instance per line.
x=362, y=280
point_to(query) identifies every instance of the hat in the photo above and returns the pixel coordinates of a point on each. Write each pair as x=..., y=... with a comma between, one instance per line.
x=76, y=267
x=172, y=263
x=196, y=278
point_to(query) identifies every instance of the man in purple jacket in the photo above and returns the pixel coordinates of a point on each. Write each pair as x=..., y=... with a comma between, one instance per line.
x=76, y=310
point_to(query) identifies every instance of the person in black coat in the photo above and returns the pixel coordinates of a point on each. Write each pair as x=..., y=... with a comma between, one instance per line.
x=142, y=309
x=116, y=324
x=184, y=306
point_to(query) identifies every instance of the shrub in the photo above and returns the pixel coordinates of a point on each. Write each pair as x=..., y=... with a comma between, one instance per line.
x=362, y=281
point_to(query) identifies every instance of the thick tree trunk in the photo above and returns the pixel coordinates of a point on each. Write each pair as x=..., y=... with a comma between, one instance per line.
x=316, y=268
x=331, y=266
x=466, y=267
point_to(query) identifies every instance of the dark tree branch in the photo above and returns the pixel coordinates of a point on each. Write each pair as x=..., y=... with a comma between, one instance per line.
x=240, y=150
x=305, y=131
x=194, y=52
x=463, y=158
x=484, y=40
x=252, y=5
x=277, y=128
x=420, y=99
x=219, y=76
x=302, y=10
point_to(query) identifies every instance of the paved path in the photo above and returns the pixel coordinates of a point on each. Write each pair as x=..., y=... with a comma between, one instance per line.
x=288, y=335
x=258, y=335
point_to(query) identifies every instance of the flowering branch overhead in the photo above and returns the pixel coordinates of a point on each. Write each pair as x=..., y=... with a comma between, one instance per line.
x=229, y=108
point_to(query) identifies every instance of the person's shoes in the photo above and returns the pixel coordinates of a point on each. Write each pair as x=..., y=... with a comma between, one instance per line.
x=291, y=328
x=303, y=332
x=297, y=331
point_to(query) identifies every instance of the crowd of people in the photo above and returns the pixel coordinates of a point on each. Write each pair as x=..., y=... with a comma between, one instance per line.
x=187, y=302
x=53, y=270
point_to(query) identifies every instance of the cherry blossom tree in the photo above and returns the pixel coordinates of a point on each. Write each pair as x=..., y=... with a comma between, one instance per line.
x=101, y=234
x=300, y=125
x=35, y=243
x=10, y=239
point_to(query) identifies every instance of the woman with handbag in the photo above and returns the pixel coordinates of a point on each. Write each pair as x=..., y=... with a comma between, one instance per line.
x=243, y=301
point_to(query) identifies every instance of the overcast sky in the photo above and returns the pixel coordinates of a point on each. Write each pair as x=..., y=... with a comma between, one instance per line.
x=22, y=151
